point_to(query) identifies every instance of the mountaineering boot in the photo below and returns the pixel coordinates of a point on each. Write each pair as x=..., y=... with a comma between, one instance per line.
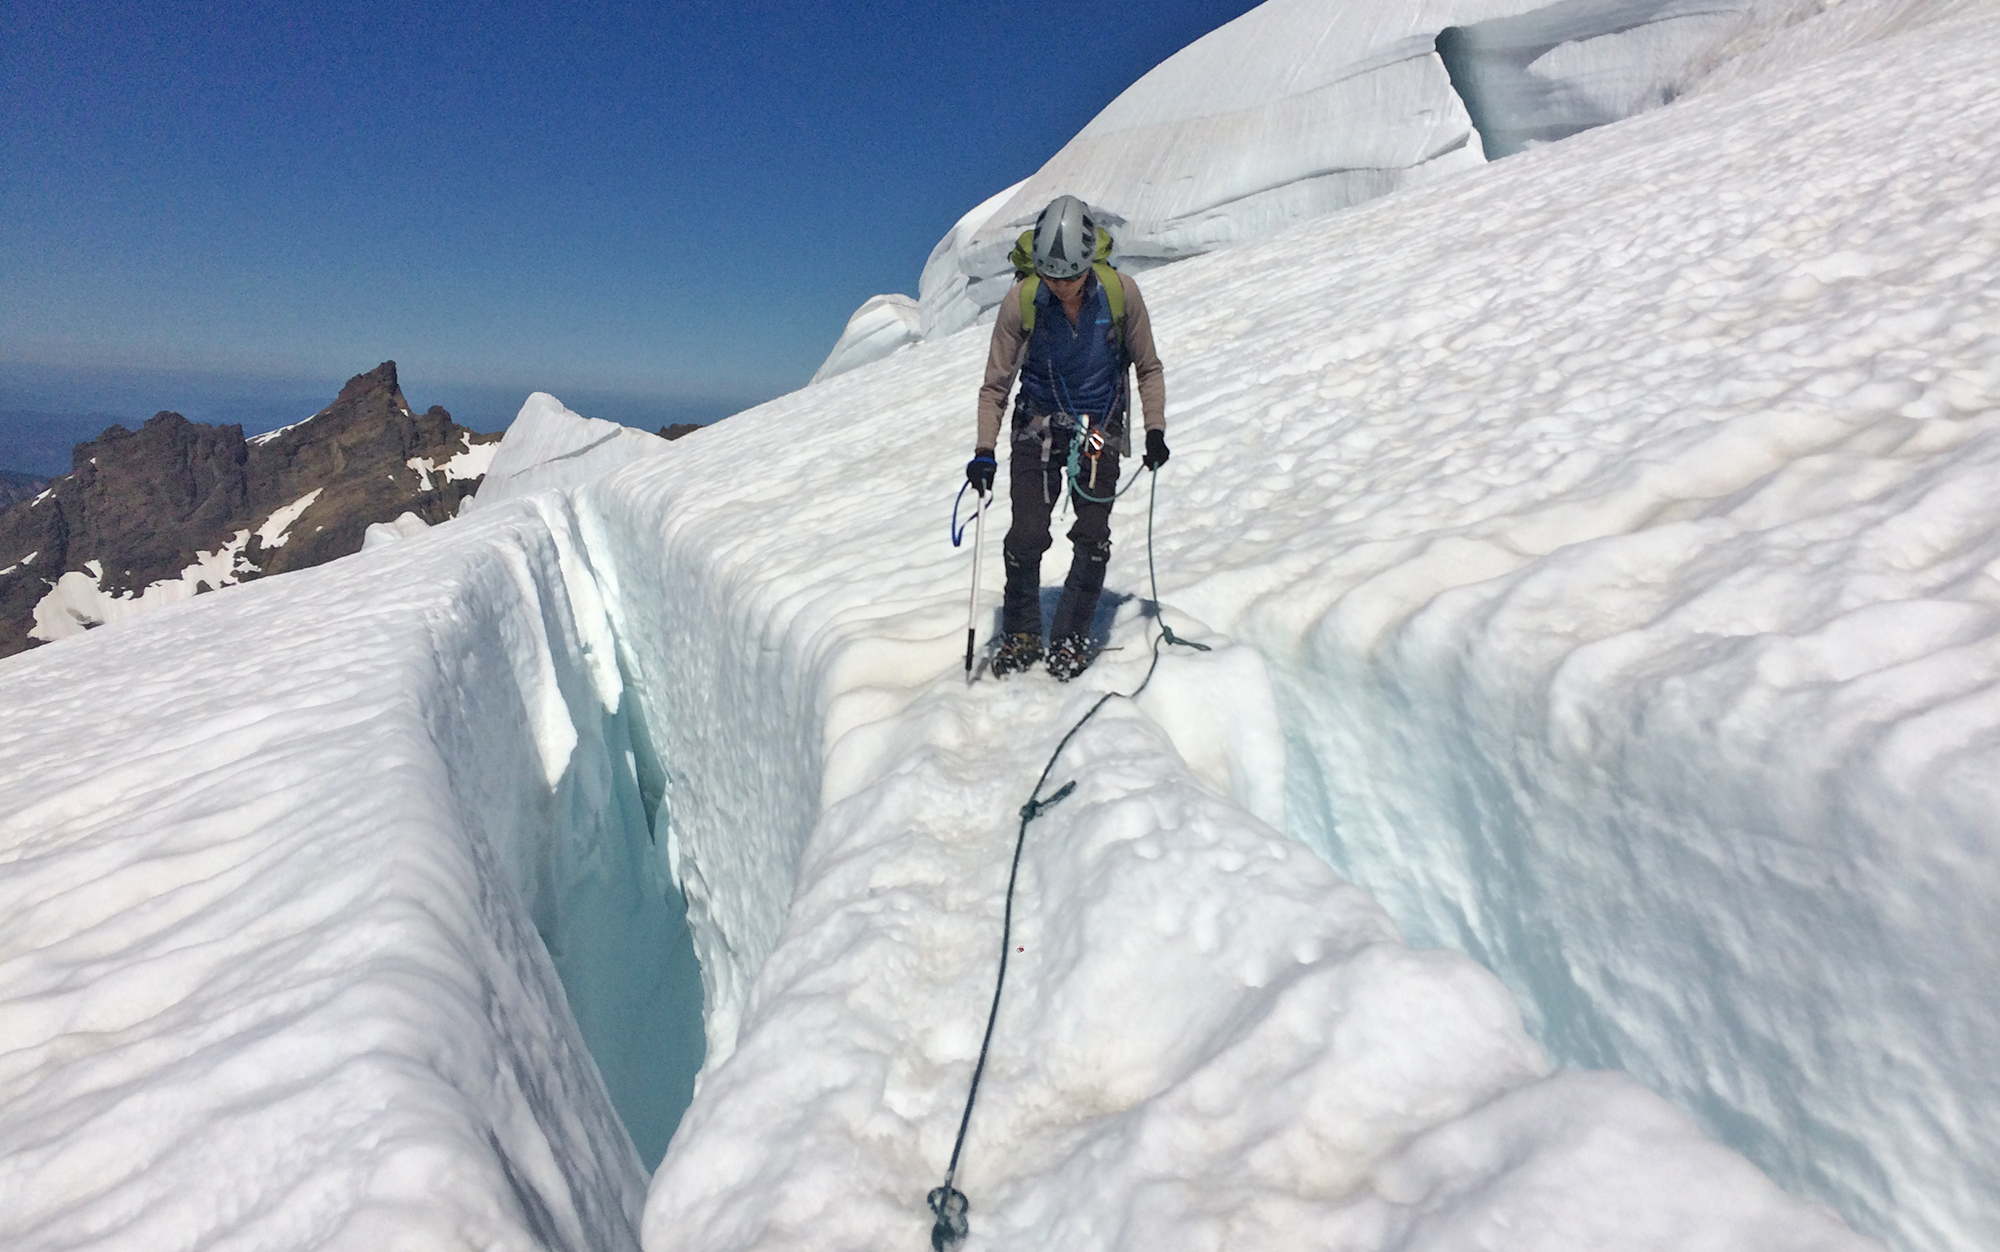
x=1069, y=656
x=1078, y=606
x=1021, y=611
x=1017, y=652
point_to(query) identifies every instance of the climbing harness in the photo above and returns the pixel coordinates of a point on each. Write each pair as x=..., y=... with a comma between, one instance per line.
x=947, y=1202
x=1090, y=443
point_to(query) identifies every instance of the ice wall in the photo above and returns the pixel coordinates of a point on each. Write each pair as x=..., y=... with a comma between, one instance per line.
x=269, y=967
x=1544, y=75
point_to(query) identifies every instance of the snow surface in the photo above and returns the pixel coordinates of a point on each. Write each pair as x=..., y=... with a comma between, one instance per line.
x=546, y=445
x=1301, y=108
x=1599, y=556
x=404, y=526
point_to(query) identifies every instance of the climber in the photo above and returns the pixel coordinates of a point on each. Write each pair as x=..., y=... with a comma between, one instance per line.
x=1072, y=328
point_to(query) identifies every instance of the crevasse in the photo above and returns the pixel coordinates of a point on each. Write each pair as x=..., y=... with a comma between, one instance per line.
x=1597, y=552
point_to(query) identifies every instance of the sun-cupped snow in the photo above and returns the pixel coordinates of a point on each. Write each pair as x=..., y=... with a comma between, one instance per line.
x=1301, y=108
x=274, y=865
x=1612, y=530
x=1598, y=557
x=546, y=445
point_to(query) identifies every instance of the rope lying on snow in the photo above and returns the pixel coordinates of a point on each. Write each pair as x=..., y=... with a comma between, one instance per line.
x=947, y=1202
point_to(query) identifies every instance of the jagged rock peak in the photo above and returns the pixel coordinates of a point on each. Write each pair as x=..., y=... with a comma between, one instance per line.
x=184, y=506
x=380, y=380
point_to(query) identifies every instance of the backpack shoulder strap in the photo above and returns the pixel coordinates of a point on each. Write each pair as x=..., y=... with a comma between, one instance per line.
x=1029, y=286
x=1022, y=258
x=1114, y=292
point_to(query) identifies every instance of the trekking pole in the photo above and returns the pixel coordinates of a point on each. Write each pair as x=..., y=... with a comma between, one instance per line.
x=972, y=601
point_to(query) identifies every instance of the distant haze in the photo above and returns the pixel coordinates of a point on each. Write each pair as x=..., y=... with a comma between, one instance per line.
x=44, y=412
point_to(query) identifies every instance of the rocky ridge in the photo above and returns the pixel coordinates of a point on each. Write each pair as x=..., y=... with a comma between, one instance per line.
x=15, y=487
x=175, y=508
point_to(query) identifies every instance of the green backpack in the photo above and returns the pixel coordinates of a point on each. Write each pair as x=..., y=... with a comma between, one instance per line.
x=1024, y=266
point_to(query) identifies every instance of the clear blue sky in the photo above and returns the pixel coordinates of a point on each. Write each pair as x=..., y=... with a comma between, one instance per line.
x=675, y=205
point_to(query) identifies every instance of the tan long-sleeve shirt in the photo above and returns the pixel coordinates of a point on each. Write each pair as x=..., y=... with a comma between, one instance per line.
x=1003, y=362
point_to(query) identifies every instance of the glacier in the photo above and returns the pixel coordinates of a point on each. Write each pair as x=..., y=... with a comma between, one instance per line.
x=1581, y=834
x=1301, y=108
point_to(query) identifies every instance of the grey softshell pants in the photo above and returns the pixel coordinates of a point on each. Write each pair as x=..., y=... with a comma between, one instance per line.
x=1036, y=478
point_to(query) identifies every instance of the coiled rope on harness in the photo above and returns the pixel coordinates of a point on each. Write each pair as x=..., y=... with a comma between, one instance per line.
x=947, y=1203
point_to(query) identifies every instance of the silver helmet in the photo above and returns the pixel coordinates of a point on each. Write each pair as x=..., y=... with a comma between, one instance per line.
x=1065, y=238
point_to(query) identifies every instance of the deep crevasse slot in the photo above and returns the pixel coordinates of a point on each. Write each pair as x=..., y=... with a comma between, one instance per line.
x=280, y=851
x=582, y=849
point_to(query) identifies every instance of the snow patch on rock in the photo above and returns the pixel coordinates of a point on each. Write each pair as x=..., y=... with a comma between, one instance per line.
x=470, y=462
x=78, y=600
x=276, y=528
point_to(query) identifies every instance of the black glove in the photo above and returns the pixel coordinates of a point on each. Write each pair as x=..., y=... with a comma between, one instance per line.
x=1156, y=449
x=979, y=470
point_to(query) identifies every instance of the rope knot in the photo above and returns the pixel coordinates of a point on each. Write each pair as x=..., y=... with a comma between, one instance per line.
x=949, y=1204
x=1033, y=808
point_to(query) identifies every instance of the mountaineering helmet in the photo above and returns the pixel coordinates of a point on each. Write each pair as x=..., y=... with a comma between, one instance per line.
x=1065, y=239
